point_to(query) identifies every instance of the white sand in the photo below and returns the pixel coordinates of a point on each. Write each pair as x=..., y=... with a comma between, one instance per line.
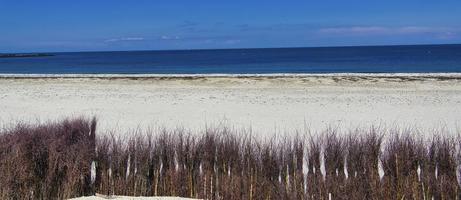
x=98, y=197
x=267, y=104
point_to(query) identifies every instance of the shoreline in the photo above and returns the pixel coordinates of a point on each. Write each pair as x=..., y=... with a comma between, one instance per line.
x=220, y=75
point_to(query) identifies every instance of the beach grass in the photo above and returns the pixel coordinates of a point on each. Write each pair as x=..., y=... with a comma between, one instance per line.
x=67, y=159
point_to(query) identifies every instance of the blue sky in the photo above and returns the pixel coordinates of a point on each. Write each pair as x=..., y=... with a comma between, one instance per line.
x=93, y=25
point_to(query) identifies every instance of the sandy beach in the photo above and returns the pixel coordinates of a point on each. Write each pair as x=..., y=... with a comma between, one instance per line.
x=101, y=197
x=265, y=104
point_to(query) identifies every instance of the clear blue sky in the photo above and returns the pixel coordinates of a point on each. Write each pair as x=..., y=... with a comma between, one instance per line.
x=92, y=25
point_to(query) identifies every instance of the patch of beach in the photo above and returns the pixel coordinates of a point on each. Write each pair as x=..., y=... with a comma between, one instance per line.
x=99, y=197
x=263, y=104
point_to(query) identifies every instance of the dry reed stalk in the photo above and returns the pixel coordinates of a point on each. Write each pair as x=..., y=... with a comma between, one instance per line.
x=224, y=164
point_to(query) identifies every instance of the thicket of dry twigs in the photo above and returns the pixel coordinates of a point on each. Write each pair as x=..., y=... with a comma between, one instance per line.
x=67, y=159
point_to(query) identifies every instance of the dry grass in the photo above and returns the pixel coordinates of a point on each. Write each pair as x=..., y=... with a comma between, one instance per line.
x=54, y=161
x=49, y=161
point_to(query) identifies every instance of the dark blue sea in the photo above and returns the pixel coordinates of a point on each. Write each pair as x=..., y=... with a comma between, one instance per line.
x=369, y=59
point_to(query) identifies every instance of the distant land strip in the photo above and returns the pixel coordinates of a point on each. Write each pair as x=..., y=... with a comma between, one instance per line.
x=23, y=55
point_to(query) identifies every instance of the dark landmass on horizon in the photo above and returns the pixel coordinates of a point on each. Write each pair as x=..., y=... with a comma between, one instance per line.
x=23, y=55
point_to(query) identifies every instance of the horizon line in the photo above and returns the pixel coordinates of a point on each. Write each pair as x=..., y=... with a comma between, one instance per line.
x=240, y=48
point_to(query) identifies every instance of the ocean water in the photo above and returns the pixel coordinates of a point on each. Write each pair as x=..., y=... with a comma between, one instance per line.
x=371, y=59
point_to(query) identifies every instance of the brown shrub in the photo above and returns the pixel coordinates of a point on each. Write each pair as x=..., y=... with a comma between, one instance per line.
x=50, y=161
x=53, y=161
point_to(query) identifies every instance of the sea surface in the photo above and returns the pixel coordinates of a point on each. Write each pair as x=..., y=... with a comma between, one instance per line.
x=366, y=59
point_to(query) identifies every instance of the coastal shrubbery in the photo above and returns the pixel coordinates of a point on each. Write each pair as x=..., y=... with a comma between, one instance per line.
x=50, y=161
x=67, y=159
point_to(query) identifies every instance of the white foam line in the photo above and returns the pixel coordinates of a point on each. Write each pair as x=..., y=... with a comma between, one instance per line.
x=229, y=75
